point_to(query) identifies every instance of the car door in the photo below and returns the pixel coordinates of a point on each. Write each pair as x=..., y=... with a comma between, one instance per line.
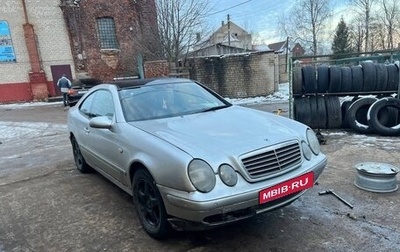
x=100, y=143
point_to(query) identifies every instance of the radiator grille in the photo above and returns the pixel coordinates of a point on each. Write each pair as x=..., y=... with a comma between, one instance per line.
x=272, y=161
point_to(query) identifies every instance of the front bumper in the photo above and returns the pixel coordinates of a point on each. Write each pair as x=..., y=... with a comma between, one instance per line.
x=189, y=213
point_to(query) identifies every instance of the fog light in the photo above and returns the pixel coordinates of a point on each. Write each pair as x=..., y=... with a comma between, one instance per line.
x=228, y=175
x=306, y=150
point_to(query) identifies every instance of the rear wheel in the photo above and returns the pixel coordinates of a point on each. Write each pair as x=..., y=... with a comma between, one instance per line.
x=149, y=205
x=80, y=162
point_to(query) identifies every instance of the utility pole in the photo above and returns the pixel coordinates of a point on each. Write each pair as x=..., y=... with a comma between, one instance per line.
x=229, y=31
x=287, y=54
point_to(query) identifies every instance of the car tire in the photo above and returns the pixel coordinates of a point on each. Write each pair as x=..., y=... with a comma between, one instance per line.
x=322, y=116
x=391, y=104
x=297, y=81
x=302, y=110
x=322, y=79
x=393, y=78
x=345, y=107
x=317, y=112
x=356, y=116
x=357, y=79
x=309, y=79
x=381, y=77
x=347, y=80
x=335, y=79
x=369, y=75
x=80, y=162
x=333, y=112
x=149, y=205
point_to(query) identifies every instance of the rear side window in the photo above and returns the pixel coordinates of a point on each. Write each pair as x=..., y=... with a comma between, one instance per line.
x=99, y=103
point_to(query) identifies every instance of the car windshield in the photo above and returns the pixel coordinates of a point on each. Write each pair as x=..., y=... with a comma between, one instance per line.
x=154, y=101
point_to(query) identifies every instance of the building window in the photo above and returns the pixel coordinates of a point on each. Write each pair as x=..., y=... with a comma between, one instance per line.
x=106, y=32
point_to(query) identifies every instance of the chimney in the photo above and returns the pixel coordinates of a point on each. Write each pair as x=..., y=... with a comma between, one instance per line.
x=222, y=23
x=198, y=37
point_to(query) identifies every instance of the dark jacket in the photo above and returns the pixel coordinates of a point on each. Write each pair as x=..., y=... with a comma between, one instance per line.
x=64, y=82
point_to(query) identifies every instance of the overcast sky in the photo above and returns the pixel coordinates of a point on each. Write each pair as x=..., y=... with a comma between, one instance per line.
x=259, y=17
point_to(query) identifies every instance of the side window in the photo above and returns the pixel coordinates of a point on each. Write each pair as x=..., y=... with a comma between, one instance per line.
x=100, y=103
x=103, y=104
x=86, y=106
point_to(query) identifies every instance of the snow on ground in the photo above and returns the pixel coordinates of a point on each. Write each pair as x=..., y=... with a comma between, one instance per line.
x=28, y=104
x=282, y=95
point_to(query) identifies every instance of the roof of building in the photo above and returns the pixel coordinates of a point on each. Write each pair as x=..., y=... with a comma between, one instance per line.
x=278, y=46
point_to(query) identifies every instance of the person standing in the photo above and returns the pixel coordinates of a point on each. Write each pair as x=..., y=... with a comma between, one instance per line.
x=64, y=84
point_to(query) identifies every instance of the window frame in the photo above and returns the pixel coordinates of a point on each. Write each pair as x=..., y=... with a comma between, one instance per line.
x=107, y=33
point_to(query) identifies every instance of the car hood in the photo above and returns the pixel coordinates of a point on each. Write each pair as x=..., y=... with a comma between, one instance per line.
x=234, y=131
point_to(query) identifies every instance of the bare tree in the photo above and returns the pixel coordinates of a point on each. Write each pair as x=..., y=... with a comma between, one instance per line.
x=390, y=15
x=178, y=23
x=307, y=22
x=378, y=36
x=364, y=8
x=357, y=33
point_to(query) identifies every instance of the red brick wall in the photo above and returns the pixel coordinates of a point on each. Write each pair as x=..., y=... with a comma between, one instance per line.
x=157, y=68
x=135, y=23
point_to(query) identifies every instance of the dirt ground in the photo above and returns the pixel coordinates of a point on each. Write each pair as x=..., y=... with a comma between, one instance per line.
x=46, y=205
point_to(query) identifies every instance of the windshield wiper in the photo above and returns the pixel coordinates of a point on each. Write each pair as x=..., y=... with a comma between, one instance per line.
x=215, y=108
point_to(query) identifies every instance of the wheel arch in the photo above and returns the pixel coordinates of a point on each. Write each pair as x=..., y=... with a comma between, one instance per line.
x=134, y=167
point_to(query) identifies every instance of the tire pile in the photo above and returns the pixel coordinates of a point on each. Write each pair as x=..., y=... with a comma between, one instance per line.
x=373, y=109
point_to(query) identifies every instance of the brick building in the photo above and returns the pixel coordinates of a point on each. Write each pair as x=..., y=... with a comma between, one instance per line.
x=42, y=39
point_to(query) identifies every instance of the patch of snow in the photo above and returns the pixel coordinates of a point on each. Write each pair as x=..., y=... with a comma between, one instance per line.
x=29, y=130
x=282, y=95
x=29, y=104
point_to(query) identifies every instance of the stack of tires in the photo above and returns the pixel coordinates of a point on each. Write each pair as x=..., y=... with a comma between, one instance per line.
x=367, y=77
x=317, y=90
x=371, y=115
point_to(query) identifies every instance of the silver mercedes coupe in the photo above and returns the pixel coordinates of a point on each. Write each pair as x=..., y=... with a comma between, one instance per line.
x=190, y=159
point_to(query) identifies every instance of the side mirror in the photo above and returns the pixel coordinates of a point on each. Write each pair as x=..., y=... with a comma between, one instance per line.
x=101, y=122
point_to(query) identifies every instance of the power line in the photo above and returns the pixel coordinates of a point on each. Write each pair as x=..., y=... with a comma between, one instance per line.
x=228, y=8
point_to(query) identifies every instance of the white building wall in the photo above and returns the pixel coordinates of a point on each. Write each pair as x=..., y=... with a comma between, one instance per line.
x=51, y=34
x=53, y=41
x=15, y=72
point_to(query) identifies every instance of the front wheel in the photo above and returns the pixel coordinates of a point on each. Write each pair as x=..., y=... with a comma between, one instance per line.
x=80, y=162
x=149, y=205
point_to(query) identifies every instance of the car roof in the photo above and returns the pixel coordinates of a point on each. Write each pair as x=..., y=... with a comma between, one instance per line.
x=121, y=84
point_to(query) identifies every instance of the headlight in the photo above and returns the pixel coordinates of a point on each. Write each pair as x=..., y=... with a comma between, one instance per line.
x=306, y=150
x=201, y=175
x=228, y=175
x=313, y=141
